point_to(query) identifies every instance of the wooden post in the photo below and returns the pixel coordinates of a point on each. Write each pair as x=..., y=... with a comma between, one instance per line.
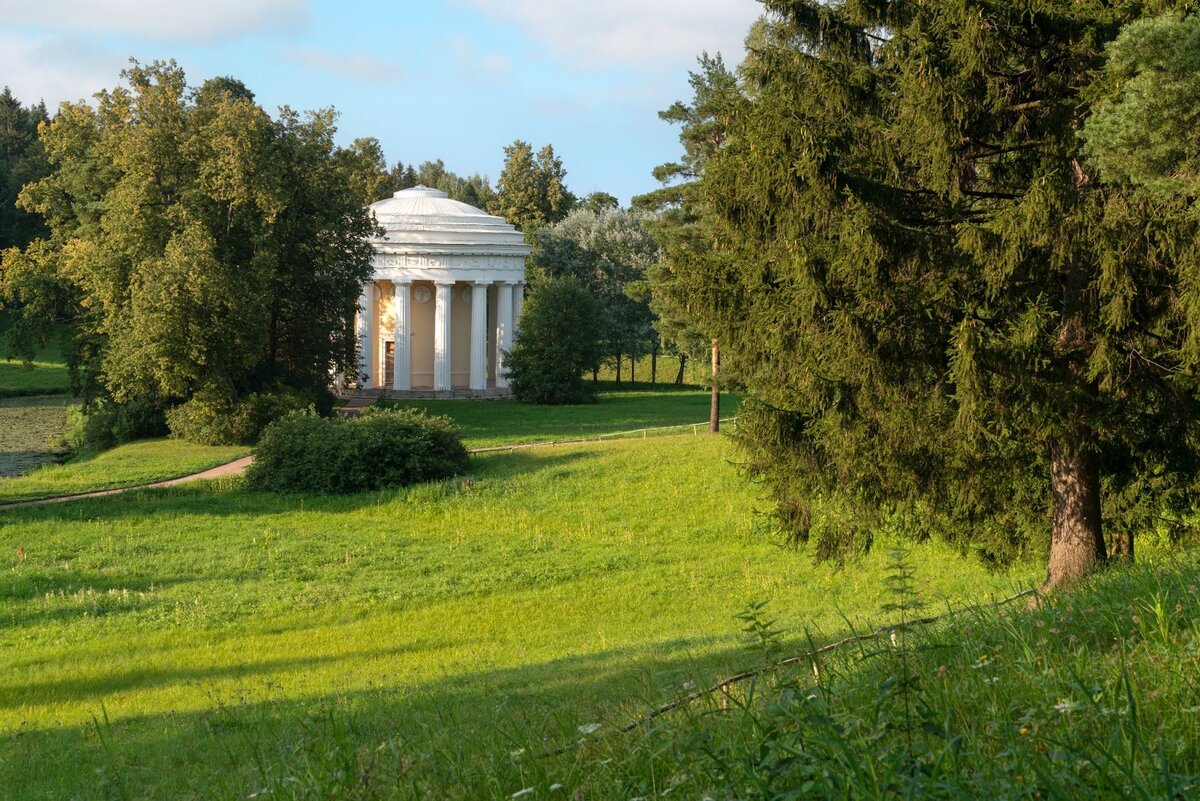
x=714, y=412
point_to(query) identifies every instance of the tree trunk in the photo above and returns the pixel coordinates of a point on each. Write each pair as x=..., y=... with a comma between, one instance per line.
x=1076, y=539
x=632, y=369
x=618, y=368
x=595, y=374
x=679, y=375
x=654, y=365
x=714, y=411
x=1122, y=546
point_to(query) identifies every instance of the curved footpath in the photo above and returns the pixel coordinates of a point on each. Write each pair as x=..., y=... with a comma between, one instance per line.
x=238, y=466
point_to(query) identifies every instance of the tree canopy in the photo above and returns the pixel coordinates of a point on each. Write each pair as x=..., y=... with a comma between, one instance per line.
x=609, y=252
x=945, y=316
x=531, y=190
x=206, y=248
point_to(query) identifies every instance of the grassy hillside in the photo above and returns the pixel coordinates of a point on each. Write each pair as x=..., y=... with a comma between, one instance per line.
x=210, y=642
x=136, y=463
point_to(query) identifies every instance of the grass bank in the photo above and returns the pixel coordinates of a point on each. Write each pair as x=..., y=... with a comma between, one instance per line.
x=232, y=640
x=127, y=465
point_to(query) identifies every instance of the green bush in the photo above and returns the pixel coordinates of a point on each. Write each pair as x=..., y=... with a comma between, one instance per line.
x=104, y=423
x=210, y=418
x=561, y=337
x=379, y=448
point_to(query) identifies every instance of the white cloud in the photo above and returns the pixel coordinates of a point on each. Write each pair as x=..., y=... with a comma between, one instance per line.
x=160, y=20
x=630, y=32
x=477, y=64
x=359, y=67
x=55, y=68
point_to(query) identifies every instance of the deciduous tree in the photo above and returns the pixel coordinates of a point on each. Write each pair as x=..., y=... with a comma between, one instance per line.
x=208, y=249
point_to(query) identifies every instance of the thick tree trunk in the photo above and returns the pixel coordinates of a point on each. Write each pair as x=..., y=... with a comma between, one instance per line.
x=595, y=375
x=714, y=410
x=654, y=365
x=1076, y=540
x=679, y=375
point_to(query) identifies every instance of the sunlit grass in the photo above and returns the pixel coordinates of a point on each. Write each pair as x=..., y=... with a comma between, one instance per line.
x=550, y=588
x=140, y=462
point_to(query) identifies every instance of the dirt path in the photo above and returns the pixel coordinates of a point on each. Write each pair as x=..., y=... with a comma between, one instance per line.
x=239, y=466
x=228, y=469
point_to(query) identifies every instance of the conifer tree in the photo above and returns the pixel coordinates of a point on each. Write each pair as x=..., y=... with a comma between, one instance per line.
x=951, y=319
x=531, y=190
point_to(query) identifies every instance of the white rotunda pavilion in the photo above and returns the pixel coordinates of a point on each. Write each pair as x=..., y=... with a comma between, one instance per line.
x=441, y=308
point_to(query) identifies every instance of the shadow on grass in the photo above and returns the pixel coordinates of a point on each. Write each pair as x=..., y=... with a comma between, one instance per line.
x=222, y=750
x=228, y=497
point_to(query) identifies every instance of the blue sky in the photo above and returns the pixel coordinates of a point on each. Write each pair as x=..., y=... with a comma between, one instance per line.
x=450, y=79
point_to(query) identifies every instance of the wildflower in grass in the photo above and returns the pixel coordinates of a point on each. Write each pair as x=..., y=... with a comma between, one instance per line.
x=523, y=792
x=1022, y=731
x=991, y=680
x=589, y=728
x=1066, y=705
x=556, y=786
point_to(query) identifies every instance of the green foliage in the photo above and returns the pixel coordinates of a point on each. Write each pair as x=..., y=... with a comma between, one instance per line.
x=1142, y=129
x=205, y=247
x=22, y=160
x=931, y=297
x=531, y=191
x=678, y=209
x=106, y=422
x=609, y=252
x=209, y=418
x=560, y=337
x=376, y=449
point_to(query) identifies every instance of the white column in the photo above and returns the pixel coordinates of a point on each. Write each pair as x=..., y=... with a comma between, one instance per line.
x=402, y=374
x=441, y=337
x=479, y=336
x=504, y=323
x=366, y=339
x=518, y=306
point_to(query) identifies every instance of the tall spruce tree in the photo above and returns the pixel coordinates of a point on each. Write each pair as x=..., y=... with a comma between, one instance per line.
x=951, y=319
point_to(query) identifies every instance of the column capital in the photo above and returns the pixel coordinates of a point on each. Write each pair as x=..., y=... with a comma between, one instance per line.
x=402, y=282
x=445, y=282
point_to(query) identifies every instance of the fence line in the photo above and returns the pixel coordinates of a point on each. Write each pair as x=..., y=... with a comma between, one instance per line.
x=643, y=432
x=722, y=686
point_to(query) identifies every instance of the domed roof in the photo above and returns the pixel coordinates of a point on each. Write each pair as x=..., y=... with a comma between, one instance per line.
x=424, y=220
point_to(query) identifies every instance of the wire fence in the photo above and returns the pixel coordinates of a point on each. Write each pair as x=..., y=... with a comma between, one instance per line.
x=637, y=433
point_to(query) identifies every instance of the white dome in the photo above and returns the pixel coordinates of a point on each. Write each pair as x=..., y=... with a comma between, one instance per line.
x=424, y=220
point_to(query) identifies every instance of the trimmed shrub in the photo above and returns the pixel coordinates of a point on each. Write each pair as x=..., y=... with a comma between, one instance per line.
x=209, y=418
x=379, y=448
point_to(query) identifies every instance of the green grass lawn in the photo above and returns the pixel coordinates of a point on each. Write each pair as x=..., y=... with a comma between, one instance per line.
x=47, y=375
x=123, y=466
x=619, y=408
x=198, y=642
x=31, y=429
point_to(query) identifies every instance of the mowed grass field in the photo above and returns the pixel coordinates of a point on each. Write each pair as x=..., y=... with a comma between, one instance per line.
x=180, y=643
x=618, y=408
